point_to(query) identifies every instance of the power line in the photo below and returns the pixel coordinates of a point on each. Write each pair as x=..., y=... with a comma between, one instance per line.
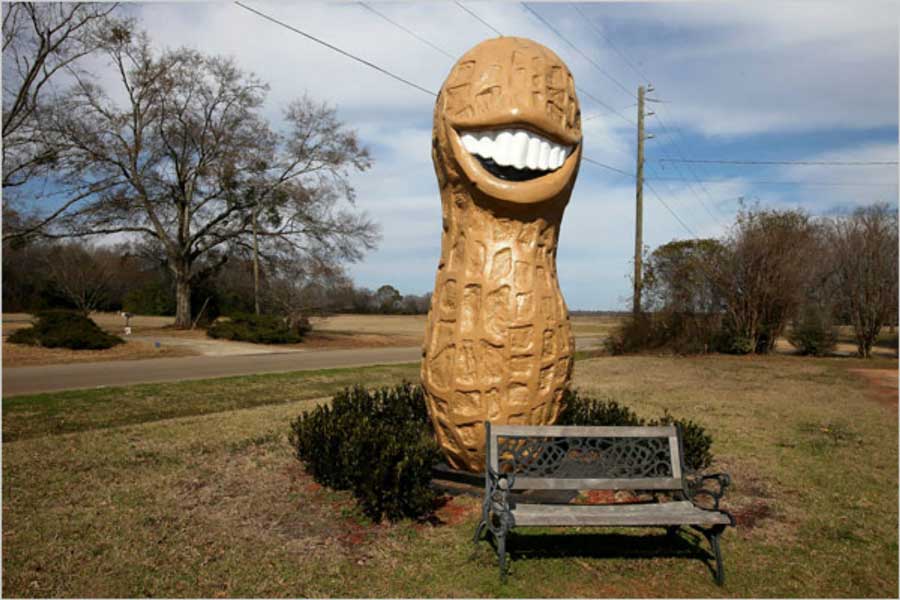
x=410, y=32
x=590, y=23
x=644, y=77
x=834, y=163
x=605, y=166
x=336, y=49
x=669, y=208
x=810, y=183
x=590, y=118
x=386, y=72
x=482, y=21
x=689, y=169
x=578, y=50
x=579, y=89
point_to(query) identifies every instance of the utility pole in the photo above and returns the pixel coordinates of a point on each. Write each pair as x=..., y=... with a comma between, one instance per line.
x=255, y=262
x=639, y=202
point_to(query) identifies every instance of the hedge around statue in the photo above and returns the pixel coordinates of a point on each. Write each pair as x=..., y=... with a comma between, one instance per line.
x=380, y=444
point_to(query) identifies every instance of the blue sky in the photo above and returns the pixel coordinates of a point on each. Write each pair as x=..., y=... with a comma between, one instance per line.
x=751, y=81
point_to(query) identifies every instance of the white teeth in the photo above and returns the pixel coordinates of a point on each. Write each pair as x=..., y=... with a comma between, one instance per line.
x=554, y=155
x=543, y=161
x=516, y=148
x=520, y=149
x=503, y=148
x=534, y=151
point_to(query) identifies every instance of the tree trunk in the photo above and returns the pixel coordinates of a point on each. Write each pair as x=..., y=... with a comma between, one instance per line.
x=182, y=303
x=255, y=265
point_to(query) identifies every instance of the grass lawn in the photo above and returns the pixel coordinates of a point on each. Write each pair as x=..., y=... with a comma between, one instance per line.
x=190, y=489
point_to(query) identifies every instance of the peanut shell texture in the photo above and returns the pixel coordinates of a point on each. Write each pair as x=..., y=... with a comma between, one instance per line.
x=506, y=149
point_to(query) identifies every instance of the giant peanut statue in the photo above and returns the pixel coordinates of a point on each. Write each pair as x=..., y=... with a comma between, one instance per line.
x=506, y=150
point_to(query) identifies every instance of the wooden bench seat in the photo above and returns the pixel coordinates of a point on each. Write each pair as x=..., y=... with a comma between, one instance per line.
x=662, y=514
x=525, y=458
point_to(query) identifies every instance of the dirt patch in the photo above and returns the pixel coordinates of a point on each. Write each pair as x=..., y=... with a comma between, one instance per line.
x=451, y=511
x=748, y=517
x=882, y=385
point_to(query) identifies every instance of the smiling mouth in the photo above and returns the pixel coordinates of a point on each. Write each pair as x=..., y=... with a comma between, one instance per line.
x=515, y=154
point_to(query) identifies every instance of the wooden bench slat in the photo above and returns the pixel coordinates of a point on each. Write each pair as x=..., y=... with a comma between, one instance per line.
x=558, y=483
x=581, y=431
x=669, y=513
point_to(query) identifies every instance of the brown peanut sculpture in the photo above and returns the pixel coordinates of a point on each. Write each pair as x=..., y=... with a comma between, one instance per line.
x=506, y=150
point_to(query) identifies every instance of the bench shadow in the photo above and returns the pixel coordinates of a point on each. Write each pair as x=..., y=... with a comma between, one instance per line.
x=686, y=544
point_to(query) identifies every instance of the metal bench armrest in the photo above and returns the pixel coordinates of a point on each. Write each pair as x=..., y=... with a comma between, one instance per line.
x=496, y=500
x=696, y=489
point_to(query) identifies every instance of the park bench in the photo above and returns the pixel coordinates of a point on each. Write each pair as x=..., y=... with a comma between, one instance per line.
x=530, y=460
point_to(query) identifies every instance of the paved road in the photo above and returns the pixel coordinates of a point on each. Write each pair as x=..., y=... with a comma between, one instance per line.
x=53, y=378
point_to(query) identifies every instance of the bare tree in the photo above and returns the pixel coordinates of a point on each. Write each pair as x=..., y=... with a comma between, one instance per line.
x=188, y=161
x=298, y=289
x=865, y=275
x=677, y=277
x=79, y=274
x=763, y=275
x=41, y=41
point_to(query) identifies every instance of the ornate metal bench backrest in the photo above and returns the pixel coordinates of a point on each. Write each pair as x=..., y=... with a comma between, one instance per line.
x=580, y=458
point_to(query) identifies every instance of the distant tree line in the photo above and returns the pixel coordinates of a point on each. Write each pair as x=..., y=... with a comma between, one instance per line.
x=387, y=300
x=43, y=274
x=776, y=270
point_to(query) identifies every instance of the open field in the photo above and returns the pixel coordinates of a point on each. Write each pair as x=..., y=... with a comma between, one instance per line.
x=190, y=489
x=154, y=337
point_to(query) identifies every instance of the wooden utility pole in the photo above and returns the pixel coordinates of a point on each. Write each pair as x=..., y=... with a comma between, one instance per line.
x=255, y=263
x=639, y=205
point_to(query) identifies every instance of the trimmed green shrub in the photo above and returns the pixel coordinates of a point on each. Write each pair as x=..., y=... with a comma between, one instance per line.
x=257, y=329
x=380, y=444
x=65, y=329
x=377, y=443
x=813, y=334
x=696, y=442
x=584, y=410
x=581, y=410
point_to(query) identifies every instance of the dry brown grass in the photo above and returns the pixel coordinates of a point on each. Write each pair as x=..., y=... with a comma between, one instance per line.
x=212, y=503
x=403, y=325
x=21, y=355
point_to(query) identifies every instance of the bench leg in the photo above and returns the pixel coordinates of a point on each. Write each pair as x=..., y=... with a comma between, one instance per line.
x=713, y=537
x=479, y=530
x=501, y=554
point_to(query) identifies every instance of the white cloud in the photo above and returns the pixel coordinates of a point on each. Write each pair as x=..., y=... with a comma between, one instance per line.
x=732, y=71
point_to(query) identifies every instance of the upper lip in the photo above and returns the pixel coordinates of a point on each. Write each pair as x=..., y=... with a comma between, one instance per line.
x=516, y=147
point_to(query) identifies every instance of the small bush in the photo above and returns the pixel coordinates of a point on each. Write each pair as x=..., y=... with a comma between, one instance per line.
x=681, y=333
x=580, y=410
x=378, y=443
x=634, y=334
x=694, y=439
x=730, y=342
x=813, y=333
x=257, y=329
x=584, y=410
x=65, y=329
